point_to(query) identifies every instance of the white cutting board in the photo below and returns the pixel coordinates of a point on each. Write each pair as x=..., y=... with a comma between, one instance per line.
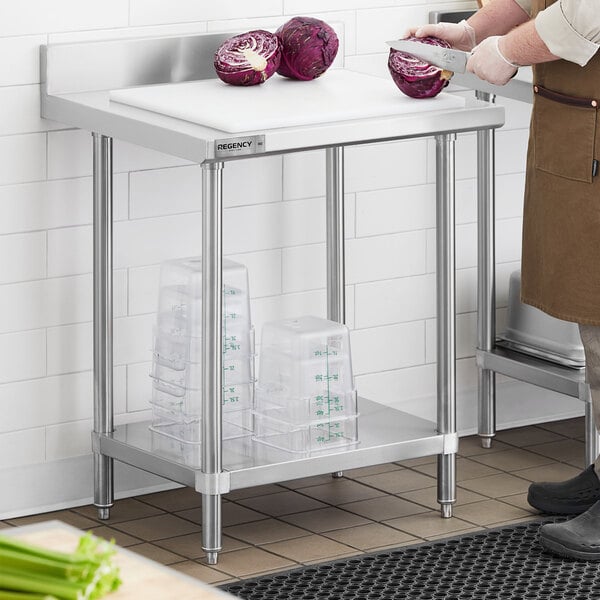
x=338, y=95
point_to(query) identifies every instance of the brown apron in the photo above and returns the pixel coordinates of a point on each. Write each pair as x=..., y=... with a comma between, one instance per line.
x=561, y=216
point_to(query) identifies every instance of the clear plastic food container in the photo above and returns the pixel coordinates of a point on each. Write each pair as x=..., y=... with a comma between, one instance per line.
x=188, y=406
x=317, y=408
x=190, y=377
x=306, y=439
x=306, y=370
x=186, y=274
x=179, y=312
x=307, y=338
x=183, y=441
x=176, y=350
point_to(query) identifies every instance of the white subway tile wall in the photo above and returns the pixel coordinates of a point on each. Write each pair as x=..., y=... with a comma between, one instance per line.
x=22, y=356
x=21, y=111
x=61, y=203
x=375, y=25
x=274, y=222
x=31, y=444
x=39, y=16
x=23, y=158
x=146, y=12
x=24, y=64
x=21, y=406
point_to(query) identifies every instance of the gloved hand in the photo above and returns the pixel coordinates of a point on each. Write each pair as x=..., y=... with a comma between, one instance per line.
x=458, y=35
x=489, y=64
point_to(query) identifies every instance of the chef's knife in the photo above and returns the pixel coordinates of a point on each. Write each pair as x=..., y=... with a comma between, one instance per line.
x=444, y=58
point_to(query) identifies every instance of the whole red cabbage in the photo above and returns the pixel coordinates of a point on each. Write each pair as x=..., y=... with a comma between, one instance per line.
x=415, y=77
x=308, y=47
x=249, y=58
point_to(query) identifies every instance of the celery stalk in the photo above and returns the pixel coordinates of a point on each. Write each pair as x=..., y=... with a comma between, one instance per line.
x=26, y=581
x=24, y=596
x=19, y=560
x=9, y=543
x=30, y=572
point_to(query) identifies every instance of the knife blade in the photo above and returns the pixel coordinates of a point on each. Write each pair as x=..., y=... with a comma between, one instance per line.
x=444, y=58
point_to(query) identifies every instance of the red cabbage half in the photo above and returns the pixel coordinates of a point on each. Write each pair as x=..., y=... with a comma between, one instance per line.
x=249, y=58
x=308, y=47
x=415, y=77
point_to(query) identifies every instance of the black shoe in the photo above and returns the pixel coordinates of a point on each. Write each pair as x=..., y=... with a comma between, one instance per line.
x=577, y=538
x=571, y=497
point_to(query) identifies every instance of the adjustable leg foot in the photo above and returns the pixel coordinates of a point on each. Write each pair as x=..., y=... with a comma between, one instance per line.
x=337, y=474
x=211, y=527
x=486, y=442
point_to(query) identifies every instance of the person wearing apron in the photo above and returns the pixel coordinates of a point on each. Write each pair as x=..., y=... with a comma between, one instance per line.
x=560, y=272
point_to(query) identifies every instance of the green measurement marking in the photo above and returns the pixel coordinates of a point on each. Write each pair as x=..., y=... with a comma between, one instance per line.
x=334, y=403
x=224, y=345
x=326, y=352
x=320, y=377
x=328, y=396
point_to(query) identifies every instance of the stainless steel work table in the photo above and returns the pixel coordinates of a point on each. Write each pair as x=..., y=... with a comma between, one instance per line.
x=495, y=355
x=76, y=80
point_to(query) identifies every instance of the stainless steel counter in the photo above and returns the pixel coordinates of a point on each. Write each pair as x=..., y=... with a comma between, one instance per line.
x=495, y=355
x=77, y=80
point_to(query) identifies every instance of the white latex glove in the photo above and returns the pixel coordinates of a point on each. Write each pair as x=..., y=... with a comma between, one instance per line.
x=489, y=64
x=458, y=35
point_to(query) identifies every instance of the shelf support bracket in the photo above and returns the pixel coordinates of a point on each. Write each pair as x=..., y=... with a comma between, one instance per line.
x=450, y=443
x=213, y=484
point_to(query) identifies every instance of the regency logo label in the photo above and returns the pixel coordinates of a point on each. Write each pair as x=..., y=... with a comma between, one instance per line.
x=240, y=146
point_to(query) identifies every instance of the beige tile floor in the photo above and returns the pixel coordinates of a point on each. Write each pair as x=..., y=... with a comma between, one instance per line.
x=275, y=527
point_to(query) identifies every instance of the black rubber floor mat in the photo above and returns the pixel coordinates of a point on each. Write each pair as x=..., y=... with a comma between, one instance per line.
x=500, y=564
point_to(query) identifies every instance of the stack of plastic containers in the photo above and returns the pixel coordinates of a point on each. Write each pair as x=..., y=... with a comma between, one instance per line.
x=177, y=354
x=305, y=397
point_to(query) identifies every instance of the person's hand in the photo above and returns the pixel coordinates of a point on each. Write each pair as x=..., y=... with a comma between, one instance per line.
x=458, y=35
x=489, y=64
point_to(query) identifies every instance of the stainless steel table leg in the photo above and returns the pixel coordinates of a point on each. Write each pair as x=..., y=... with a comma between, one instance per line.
x=446, y=319
x=486, y=280
x=334, y=199
x=103, y=319
x=336, y=296
x=212, y=350
x=592, y=440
